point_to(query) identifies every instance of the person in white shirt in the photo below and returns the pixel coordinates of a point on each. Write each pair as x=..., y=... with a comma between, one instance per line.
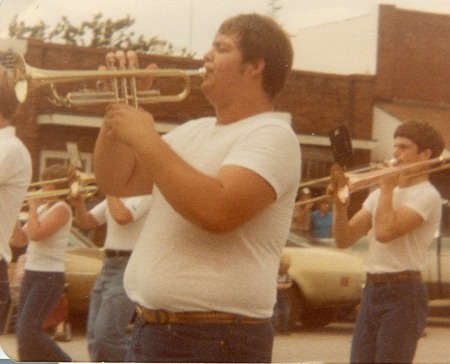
x=47, y=229
x=400, y=218
x=110, y=309
x=15, y=177
x=204, y=269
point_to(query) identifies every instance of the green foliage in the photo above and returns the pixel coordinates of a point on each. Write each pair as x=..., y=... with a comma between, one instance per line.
x=98, y=32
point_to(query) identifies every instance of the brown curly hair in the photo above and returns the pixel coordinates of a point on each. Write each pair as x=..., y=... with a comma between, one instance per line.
x=423, y=135
x=260, y=37
x=56, y=171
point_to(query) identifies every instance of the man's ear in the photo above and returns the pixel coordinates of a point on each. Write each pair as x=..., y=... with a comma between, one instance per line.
x=257, y=67
x=426, y=153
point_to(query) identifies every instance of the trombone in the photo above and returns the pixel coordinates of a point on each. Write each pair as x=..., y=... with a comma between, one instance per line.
x=85, y=191
x=28, y=77
x=83, y=177
x=83, y=184
x=358, y=180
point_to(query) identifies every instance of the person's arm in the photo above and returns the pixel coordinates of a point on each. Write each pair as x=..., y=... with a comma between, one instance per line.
x=39, y=230
x=18, y=237
x=82, y=217
x=111, y=156
x=345, y=232
x=120, y=213
x=389, y=223
x=216, y=203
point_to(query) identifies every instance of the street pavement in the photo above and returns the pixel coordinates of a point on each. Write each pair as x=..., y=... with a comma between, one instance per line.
x=330, y=345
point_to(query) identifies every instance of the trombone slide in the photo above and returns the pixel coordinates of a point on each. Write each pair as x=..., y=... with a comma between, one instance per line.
x=359, y=181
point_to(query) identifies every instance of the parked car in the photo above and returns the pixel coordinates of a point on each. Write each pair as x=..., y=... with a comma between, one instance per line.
x=83, y=262
x=326, y=281
x=436, y=273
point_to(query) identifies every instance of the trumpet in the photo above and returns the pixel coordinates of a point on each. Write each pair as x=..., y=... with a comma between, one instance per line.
x=28, y=77
x=358, y=180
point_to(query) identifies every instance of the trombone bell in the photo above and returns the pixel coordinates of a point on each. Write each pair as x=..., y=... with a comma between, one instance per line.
x=27, y=77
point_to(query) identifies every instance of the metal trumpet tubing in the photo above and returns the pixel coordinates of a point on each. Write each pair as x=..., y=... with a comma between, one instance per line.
x=28, y=77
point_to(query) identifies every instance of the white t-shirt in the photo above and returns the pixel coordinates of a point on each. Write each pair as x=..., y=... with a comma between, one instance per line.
x=407, y=252
x=47, y=255
x=123, y=237
x=177, y=266
x=15, y=177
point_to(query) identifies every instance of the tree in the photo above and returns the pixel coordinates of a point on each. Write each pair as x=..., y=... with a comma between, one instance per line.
x=98, y=32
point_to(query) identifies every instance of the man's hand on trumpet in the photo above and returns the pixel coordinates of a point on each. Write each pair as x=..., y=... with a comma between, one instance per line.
x=130, y=125
x=128, y=60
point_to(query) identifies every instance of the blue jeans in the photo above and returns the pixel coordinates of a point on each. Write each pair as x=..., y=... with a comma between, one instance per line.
x=39, y=294
x=110, y=312
x=206, y=343
x=390, y=322
x=4, y=286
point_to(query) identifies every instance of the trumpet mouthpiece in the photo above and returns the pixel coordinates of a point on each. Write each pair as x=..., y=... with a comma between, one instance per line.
x=197, y=72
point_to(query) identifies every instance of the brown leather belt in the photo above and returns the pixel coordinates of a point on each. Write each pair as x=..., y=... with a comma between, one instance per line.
x=386, y=278
x=166, y=317
x=109, y=253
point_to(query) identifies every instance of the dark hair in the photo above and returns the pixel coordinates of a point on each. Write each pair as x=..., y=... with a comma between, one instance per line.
x=423, y=135
x=260, y=37
x=8, y=100
x=56, y=171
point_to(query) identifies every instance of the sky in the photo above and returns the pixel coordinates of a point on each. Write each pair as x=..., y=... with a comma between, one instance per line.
x=328, y=36
x=193, y=23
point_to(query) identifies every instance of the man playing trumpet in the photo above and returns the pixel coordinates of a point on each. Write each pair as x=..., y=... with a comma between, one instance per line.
x=204, y=269
x=401, y=218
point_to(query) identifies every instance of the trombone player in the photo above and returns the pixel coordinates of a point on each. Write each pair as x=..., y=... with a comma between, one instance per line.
x=400, y=218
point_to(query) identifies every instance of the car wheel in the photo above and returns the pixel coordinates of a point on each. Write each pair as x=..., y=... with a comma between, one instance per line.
x=314, y=318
